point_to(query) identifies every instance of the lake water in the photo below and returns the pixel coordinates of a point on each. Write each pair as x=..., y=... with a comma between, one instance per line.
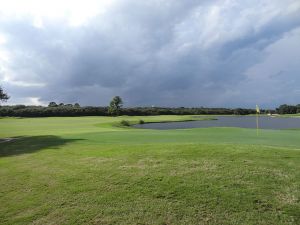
x=265, y=122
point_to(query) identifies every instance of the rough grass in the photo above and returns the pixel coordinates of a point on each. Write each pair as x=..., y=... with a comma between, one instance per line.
x=87, y=171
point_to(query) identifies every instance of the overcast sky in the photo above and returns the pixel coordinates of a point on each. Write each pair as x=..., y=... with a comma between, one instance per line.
x=226, y=53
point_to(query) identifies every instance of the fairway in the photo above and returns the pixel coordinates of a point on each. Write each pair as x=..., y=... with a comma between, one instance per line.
x=91, y=170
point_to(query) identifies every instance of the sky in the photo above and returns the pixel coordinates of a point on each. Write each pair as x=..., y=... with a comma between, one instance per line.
x=188, y=53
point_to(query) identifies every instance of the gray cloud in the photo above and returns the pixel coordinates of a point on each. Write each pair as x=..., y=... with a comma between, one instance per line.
x=171, y=53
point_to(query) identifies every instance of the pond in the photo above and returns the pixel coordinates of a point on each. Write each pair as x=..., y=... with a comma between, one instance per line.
x=265, y=122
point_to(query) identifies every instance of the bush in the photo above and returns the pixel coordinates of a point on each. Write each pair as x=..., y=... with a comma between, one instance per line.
x=141, y=122
x=125, y=123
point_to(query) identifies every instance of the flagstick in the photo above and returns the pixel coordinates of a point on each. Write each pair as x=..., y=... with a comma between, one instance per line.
x=257, y=123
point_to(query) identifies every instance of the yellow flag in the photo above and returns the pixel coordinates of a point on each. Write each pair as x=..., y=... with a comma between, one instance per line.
x=257, y=109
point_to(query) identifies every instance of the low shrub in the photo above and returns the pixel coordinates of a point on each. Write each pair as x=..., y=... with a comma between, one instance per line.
x=141, y=122
x=125, y=123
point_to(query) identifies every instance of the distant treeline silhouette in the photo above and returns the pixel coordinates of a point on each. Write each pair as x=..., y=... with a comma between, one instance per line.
x=77, y=110
x=288, y=109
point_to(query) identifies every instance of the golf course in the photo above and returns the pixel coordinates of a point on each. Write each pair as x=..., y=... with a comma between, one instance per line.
x=95, y=170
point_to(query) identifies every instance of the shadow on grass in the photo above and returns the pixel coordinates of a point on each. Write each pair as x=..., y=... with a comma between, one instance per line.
x=29, y=144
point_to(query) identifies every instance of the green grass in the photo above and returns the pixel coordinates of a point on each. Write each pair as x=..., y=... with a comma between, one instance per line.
x=291, y=115
x=90, y=170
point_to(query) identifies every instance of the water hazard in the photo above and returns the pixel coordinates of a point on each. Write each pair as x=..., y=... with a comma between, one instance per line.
x=265, y=122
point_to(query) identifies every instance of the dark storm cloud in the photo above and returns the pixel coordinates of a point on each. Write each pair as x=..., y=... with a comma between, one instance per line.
x=188, y=53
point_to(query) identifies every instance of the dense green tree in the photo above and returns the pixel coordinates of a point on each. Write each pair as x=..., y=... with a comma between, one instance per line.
x=52, y=104
x=298, y=108
x=287, y=109
x=3, y=96
x=115, y=106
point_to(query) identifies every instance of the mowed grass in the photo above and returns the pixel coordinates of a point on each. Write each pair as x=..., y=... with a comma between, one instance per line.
x=87, y=170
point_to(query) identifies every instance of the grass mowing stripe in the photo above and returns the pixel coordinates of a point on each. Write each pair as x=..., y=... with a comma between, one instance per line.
x=69, y=171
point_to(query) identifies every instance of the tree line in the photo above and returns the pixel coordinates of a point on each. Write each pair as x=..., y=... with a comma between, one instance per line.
x=288, y=109
x=115, y=108
x=68, y=110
